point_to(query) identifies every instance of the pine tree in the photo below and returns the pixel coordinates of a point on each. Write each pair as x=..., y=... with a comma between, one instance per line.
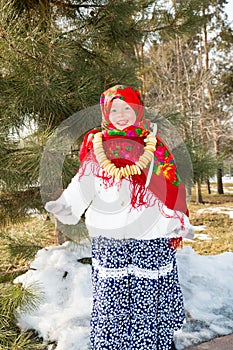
x=56, y=59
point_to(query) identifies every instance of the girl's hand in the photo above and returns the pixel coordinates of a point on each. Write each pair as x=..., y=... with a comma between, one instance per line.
x=58, y=208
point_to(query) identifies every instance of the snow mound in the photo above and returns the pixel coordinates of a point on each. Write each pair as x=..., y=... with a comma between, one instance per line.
x=207, y=283
x=64, y=312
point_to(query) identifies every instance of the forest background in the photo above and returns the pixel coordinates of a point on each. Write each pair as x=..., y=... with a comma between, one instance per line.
x=57, y=57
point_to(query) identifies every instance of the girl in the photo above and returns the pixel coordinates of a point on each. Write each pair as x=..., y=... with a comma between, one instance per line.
x=136, y=217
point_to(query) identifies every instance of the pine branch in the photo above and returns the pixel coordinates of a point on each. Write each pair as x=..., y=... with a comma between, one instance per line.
x=12, y=46
x=95, y=20
x=70, y=5
x=14, y=299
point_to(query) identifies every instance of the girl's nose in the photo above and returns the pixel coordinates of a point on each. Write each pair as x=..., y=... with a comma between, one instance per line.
x=122, y=110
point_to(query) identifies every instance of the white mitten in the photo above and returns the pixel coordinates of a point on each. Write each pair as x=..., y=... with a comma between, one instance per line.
x=57, y=208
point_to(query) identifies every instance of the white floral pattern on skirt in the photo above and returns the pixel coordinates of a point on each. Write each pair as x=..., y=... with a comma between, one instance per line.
x=137, y=299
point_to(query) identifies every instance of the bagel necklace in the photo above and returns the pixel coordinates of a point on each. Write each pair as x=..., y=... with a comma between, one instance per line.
x=126, y=171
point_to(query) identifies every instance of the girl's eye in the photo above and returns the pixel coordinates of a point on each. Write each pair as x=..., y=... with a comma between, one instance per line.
x=113, y=110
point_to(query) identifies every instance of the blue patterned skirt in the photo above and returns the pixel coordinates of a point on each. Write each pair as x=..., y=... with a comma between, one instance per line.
x=137, y=299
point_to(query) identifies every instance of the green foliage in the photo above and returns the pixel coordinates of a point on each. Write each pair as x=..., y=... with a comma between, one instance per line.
x=185, y=19
x=18, y=205
x=19, y=168
x=51, y=71
x=20, y=243
x=56, y=59
x=15, y=298
x=203, y=161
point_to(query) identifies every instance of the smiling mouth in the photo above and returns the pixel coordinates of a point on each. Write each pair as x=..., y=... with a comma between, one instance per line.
x=122, y=122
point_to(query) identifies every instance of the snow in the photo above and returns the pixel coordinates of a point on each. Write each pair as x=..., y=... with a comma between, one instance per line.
x=202, y=237
x=199, y=236
x=227, y=190
x=207, y=285
x=66, y=296
x=65, y=288
x=218, y=210
x=229, y=10
x=227, y=179
x=199, y=228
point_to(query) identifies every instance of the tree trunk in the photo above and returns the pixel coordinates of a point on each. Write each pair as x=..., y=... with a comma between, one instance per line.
x=217, y=152
x=60, y=238
x=199, y=193
x=219, y=181
x=208, y=186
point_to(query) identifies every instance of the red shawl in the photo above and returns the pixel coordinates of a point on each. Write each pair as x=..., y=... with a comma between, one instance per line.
x=125, y=146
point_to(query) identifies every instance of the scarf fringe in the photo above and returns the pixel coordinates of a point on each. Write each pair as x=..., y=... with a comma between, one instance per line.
x=140, y=195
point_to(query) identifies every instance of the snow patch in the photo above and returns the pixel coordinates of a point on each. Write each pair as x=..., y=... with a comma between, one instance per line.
x=207, y=286
x=199, y=228
x=202, y=237
x=218, y=210
x=64, y=312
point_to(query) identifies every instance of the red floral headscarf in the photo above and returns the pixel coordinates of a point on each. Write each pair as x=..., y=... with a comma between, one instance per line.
x=129, y=94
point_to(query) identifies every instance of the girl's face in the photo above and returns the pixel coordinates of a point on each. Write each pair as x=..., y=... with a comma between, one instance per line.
x=121, y=114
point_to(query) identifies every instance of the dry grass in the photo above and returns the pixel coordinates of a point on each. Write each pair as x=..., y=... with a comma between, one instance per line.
x=219, y=226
